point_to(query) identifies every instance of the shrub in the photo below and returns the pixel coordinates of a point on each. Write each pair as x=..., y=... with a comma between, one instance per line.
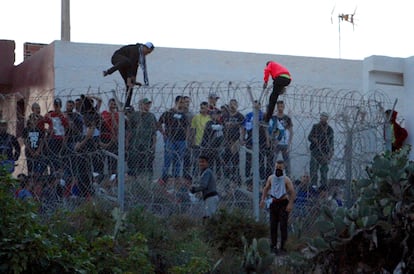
x=225, y=230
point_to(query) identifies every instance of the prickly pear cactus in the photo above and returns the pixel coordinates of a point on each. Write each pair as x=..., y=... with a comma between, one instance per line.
x=257, y=257
x=379, y=224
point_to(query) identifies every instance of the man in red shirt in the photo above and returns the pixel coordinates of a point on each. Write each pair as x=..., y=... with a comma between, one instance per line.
x=58, y=124
x=281, y=79
x=109, y=132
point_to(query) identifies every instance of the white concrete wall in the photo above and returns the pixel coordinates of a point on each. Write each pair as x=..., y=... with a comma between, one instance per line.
x=79, y=66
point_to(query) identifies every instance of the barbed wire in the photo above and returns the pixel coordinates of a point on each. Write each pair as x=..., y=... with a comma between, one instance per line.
x=353, y=116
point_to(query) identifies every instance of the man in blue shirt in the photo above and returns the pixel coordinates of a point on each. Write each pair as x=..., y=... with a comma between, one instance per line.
x=264, y=144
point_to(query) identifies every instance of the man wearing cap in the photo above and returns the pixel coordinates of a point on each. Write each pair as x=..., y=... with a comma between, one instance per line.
x=9, y=148
x=126, y=60
x=321, y=140
x=281, y=79
x=141, y=145
x=212, y=142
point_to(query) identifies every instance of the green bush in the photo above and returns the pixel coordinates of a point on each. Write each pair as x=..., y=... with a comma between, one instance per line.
x=176, y=244
x=225, y=230
x=96, y=238
x=79, y=242
x=27, y=245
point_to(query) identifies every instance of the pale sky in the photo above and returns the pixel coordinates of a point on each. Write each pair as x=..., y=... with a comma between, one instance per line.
x=290, y=27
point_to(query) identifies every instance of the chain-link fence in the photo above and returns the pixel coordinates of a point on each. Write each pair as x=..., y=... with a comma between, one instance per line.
x=70, y=143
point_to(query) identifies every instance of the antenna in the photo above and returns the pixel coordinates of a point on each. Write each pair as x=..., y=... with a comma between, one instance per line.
x=347, y=18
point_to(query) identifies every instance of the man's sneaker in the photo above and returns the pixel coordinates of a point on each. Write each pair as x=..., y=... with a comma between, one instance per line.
x=105, y=73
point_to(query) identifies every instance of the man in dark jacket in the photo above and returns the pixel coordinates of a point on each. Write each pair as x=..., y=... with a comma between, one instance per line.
x=9, y=148
x=321, y=140
x=207, y=185
x=126, y=60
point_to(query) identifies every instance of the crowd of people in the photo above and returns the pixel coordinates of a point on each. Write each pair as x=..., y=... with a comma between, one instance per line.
x=75, y=147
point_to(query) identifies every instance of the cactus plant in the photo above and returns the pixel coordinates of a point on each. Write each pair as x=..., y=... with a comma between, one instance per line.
x=257, y=257
x=378, y=225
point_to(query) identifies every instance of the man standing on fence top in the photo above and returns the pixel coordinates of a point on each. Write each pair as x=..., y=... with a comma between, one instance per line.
x=126, y=60
x=321, y=140
x=281, y=79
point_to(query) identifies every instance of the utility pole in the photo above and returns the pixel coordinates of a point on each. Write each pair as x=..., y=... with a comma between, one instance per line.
x=65, y=20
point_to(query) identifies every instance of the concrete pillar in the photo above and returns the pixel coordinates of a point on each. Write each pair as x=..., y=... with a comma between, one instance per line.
x=65, y=20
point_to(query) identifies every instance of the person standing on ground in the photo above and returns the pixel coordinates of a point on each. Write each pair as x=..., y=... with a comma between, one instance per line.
x=109, y=133
x=283, y=195
x=174, y=127
x=207, y=185
x=321, y=140
x=34, y=141
x=281, y=131
x=198, y=125
x=56, y=138
x=264, y=143
x=233, y=122
x=398, y=133
x=126, y=60
x=141, y=146
x=73, y=133
x=212, y=101
x=212, y=142
x=9, y=148
x=281, y=79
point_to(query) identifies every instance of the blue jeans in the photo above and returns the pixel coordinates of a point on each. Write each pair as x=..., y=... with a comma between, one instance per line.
x=173, y=154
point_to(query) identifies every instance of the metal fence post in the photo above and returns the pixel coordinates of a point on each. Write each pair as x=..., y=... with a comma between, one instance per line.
x=348, y=167
x=255, y=156
x=121, y=160
x=121, y=154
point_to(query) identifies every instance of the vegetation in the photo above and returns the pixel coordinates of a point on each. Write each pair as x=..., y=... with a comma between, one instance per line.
x=374, y=235
x=97, y=238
